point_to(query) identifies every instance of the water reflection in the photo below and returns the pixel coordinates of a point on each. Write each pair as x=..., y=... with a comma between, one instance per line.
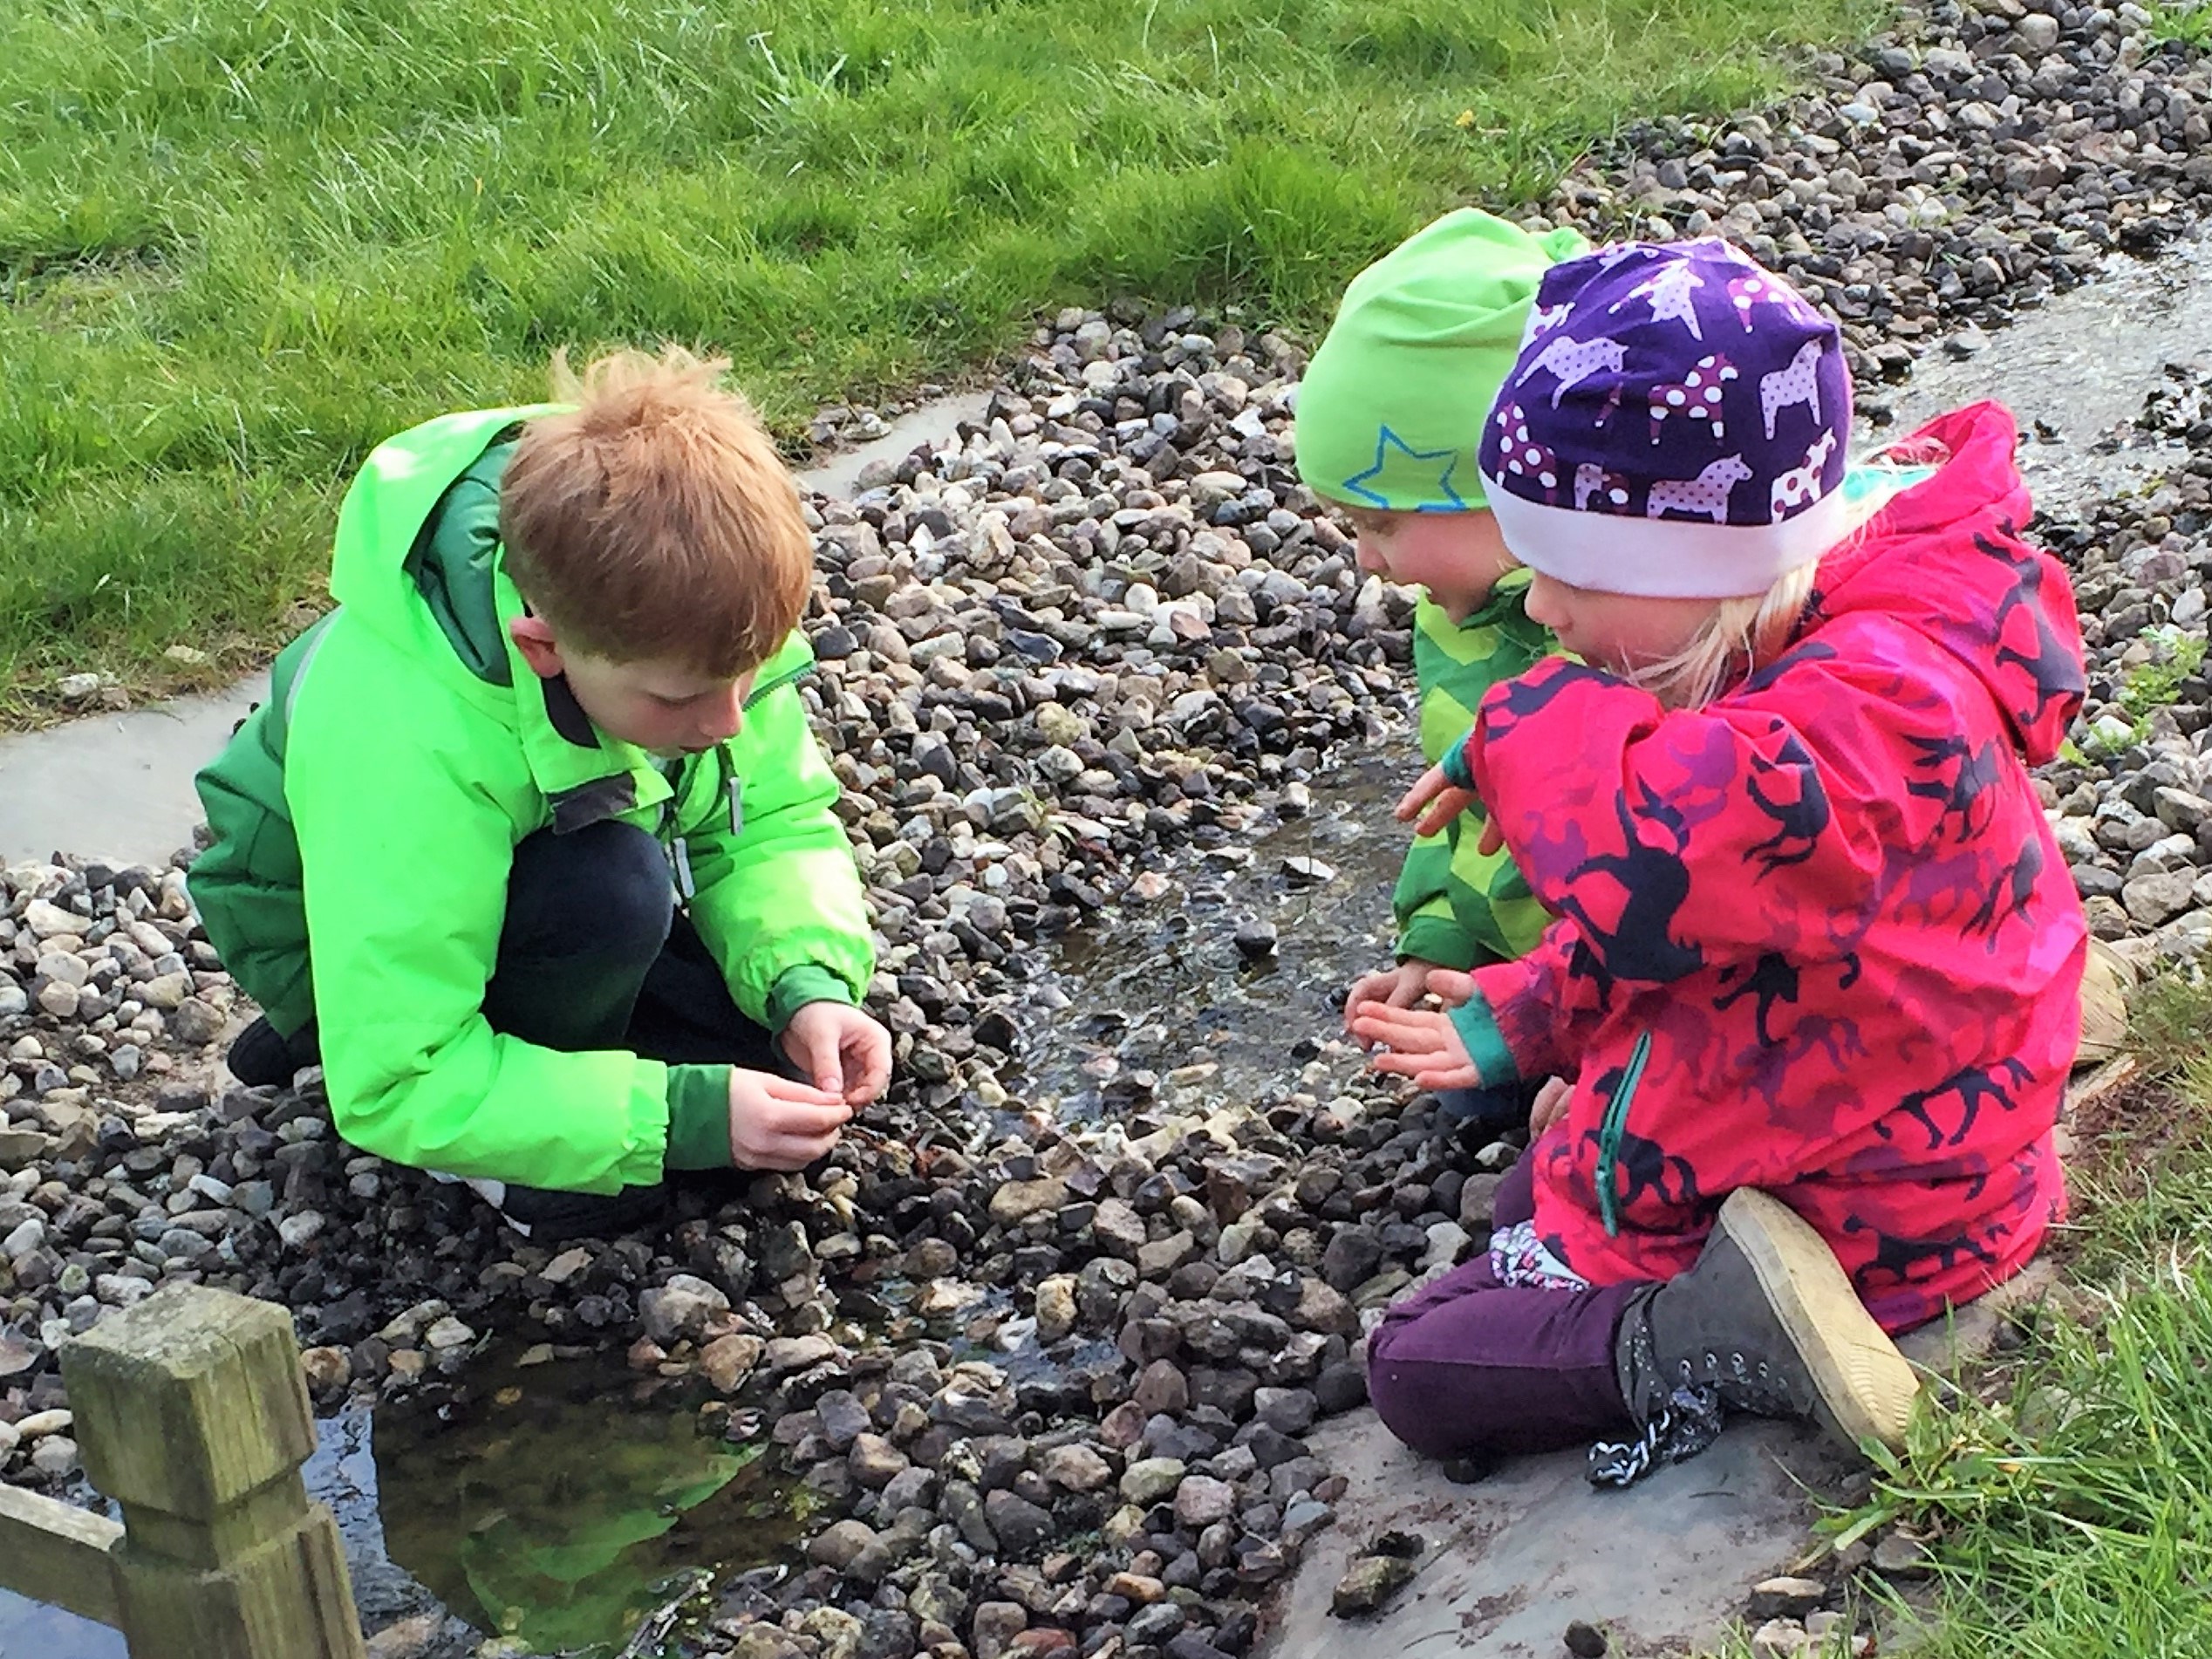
x=557, y=1502
x=31, y=1628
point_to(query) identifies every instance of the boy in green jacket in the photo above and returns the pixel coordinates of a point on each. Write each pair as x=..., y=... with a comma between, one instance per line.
x=531, y=849
x=1390, y=415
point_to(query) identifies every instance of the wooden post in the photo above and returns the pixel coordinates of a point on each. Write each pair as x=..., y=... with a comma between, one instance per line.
x=192, y=1413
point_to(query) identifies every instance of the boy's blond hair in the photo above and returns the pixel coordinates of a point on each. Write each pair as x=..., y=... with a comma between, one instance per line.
x=654, y=521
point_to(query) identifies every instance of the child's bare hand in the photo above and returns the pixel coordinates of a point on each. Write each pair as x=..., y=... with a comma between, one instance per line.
x=1418, y=1043
x=779, y=1124
x=1398, y=987
x=846, y=1054
x=1442, y=801
x=1450, y=987
x=1550, y=1105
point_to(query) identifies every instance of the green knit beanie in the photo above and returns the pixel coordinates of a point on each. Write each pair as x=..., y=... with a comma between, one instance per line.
x=1390, y=413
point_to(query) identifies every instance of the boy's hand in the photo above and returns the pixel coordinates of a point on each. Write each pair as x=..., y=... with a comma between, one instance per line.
x=1398, y=987
x=778, y=1124
x=846, y=1054
x=1444, y=801
x=1418, y=1043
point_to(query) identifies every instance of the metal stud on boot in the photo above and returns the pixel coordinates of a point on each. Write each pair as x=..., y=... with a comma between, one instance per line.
x=1766, y=1323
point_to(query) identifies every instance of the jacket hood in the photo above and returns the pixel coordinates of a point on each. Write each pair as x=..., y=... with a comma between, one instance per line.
x=1946, y=559
x=419, y=533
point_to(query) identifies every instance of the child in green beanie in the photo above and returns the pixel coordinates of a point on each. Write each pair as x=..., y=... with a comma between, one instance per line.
x=1389, y=418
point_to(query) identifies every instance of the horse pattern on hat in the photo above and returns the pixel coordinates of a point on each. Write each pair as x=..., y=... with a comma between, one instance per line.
x=1749, y=434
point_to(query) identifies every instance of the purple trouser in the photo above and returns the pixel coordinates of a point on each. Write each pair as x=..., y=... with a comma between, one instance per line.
x=1473, y=1365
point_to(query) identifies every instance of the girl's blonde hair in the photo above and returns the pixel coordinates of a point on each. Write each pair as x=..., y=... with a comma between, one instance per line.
x=1741, y=634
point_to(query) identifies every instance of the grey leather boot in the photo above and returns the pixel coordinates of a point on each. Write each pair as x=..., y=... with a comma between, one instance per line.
x=1766, y=1323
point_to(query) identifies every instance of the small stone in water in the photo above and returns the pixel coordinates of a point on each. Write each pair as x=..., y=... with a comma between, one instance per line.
x=1256, y=940
x=448, y=1333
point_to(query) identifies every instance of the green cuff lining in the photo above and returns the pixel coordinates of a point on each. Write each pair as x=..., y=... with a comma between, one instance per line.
x=1486, y=1043
x=699, y=1117
x=796, y=986
x=1456, y=771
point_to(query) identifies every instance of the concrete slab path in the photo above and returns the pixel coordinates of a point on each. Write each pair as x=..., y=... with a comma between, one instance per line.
x=1665, y=1567
x=115, y=786
x=1512, y=1559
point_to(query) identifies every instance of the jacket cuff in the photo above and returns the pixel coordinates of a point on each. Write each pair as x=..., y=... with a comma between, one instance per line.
x=699, y=1117
x=1431, y=938
x=1458, y=769
x=1477, y=1028
x=796, y=986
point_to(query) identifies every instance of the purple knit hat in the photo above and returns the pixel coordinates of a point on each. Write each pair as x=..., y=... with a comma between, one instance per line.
x=1689, y=395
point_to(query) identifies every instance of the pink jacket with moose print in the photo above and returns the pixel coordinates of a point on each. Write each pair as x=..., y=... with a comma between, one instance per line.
x=1815, y=936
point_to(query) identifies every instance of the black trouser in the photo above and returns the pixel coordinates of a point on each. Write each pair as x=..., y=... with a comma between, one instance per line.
x=593, y=954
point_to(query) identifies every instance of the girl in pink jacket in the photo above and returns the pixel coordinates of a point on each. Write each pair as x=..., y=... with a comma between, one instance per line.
x=1813, y=991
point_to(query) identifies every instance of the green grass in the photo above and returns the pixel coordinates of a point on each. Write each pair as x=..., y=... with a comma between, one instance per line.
x=241, y=239
x=2191, y=24
x=2072, y=1502
x=2148, y=686
x=2155, y=684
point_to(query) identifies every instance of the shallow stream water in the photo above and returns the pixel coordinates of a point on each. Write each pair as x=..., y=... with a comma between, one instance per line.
x=556, y=1505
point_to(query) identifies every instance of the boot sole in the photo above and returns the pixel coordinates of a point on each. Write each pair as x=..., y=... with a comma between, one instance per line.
x=1865, y=1386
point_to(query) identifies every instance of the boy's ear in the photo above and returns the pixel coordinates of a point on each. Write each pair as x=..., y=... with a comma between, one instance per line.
x=539, y=648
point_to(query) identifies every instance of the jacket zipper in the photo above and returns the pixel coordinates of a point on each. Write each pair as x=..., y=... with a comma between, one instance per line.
x=679, y=850
x=1610, y=1131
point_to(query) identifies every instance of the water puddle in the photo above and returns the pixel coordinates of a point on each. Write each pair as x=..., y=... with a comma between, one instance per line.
x=28, y=1628
x=560, y=1503
x=1155, y=1002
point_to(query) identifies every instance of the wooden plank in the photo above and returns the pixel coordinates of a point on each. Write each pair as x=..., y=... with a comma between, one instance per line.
x=2115, y=1073
x=58, y=1554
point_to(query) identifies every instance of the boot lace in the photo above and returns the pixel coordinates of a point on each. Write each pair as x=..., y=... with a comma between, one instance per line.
x=1685, y=1424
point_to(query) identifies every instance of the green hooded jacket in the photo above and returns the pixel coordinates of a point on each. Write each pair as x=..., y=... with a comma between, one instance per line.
x=1456, y=906
x=365, y=817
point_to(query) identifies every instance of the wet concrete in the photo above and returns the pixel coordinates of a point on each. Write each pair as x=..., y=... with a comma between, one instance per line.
x=115, y=786
x=119, y=786
x=839, y=475
x=1510, y=1560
